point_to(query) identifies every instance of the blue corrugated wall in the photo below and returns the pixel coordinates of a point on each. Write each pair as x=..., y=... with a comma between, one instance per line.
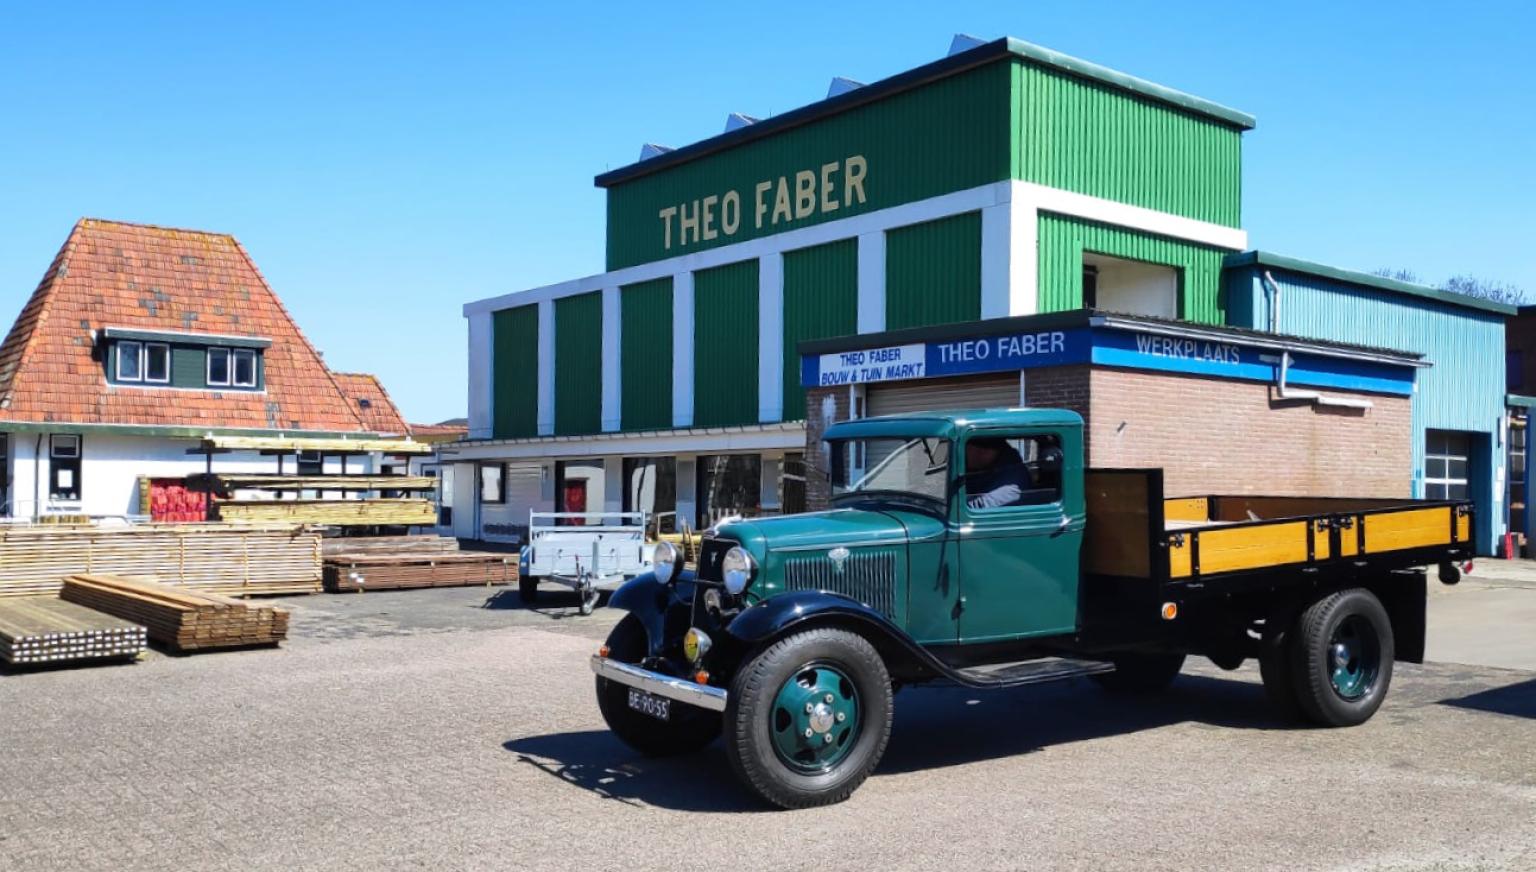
x=1463, y=390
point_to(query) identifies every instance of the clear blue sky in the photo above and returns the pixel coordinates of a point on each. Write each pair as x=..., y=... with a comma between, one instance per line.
x=386, y=162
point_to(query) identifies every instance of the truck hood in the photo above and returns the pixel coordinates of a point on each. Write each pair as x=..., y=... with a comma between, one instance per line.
x=850, y=527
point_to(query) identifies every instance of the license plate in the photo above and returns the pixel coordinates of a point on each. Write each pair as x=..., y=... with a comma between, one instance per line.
x=658, y=707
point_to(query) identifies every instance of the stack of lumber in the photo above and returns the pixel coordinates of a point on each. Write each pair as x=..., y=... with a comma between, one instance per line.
x=379, y=571
x=381, y=512
x=180, y=619
x=218, y=558
x=418, y=544
x=227, y=483
x=44, y=629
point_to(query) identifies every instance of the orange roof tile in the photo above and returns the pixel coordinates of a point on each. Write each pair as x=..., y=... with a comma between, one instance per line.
x=136, y=276
x=372, y=402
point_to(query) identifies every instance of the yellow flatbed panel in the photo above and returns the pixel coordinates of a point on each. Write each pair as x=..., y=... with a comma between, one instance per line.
x=1179, y=556
x=1415, y=528
x=1236, y=548
x=1186, y=509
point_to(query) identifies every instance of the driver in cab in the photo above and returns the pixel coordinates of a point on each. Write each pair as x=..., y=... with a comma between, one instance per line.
x=995, y=474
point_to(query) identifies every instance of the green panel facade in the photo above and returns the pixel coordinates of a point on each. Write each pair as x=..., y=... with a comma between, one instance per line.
x=645, y=356
x=189, y=366
x=933, y=272
x=1088, y=137
x=821, y=299
x=1063, y=241
x=725, y=345
x=579, y=364
x=946, y=136
x=515, y=372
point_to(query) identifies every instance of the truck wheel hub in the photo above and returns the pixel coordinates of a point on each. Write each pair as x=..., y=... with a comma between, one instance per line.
x=815, y=718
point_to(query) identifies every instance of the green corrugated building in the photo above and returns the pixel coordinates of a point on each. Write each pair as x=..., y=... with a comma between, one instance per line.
x=1005, y=179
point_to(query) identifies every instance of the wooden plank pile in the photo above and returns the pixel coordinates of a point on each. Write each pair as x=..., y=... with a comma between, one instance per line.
x=416, y=544
x=219, y=558
x=45, y=629
x=359, y=572
x=180, y=619
x=380, y=512
x=227, y=482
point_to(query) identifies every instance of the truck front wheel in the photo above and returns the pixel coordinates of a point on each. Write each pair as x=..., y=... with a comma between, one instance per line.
x=808, y=718
x=1342, y=659
x=688, y=728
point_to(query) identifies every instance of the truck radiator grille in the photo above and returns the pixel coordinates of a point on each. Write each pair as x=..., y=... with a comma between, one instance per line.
x=867, y=576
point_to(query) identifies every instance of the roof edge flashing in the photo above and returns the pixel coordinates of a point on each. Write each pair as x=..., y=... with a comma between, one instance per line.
x=1285, y=263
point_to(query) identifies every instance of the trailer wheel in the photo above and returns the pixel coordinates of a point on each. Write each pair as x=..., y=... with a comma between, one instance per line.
x=690, y=727
x=808, y=718
x=1145, y=672
x=528, y=589
x=1276, y=666
x=1343, y=658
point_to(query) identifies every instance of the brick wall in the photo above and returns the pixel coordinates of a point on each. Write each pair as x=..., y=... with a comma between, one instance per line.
x=1214, y=436
x=1520, y=342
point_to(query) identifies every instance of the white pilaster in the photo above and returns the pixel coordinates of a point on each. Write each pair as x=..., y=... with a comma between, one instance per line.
x=613, y=483
x=996, y=236
x=613, y=327
x=481, y=372
x=770, y=337
x=872, y=282
x=687, y=471
x=1024, y=255
x=546, y=412
x=682, y=350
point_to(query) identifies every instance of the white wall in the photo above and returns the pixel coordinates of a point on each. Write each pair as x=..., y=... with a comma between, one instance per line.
x=1136, y=288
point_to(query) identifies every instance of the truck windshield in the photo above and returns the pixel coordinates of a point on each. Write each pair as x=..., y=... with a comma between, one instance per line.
x=917, y=467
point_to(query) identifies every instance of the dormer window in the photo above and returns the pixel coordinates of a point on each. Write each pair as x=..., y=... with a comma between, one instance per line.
x=143, y=362
x=231, y=367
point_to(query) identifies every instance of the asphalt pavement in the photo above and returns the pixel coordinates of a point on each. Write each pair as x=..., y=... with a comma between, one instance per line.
x=454, y=729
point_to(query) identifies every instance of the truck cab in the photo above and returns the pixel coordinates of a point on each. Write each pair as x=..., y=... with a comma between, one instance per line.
x=975, y=547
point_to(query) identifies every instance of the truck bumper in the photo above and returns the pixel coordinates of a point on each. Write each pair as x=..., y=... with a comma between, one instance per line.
x=701, y=695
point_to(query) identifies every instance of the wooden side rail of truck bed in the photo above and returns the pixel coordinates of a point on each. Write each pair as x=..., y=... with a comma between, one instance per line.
x=1135, y=532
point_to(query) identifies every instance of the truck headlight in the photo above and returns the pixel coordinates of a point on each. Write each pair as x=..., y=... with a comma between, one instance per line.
x=696, y=643
x=737, y=570
x=665, y=561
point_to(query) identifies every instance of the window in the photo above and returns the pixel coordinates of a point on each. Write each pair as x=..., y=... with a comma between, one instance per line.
x=1014, y=471
x=1132, y=287
x=650, y=486
x=157, y=362
x=64, y=467
x=130, y=361
x=1445, y=465
x=311, y=463
x=728, y=485
x=492, y=483
x=245, y=368
x=218, y=366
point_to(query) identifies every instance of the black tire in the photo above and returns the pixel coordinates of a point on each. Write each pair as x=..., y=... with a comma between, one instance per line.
x=751, y=710
x=690, y=727
x=1355, y=619
x=528, y=589
x=1277, y=668
x=1145, y=672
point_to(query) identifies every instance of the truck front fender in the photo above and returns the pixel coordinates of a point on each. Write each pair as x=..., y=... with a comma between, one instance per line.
x=781, y=614
x=645, y=597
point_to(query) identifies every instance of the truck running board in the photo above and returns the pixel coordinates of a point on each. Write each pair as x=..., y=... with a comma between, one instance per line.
x=1029, y=672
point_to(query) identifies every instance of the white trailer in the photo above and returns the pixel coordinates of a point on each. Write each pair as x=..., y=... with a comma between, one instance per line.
x=589, y=552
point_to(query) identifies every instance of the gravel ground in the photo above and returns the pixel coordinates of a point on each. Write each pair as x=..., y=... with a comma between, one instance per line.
x=453, y=729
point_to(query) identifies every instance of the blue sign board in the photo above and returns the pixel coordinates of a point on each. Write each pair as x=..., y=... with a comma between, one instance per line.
x=1223, y=358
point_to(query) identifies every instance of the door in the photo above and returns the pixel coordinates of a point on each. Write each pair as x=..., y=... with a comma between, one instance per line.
x=1020, y=531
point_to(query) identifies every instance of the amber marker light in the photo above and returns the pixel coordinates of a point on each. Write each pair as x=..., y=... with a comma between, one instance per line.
x=602, y=651
x=701, y=677
x=1170, y=611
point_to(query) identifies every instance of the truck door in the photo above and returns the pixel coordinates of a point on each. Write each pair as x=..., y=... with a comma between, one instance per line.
x=1021, y=526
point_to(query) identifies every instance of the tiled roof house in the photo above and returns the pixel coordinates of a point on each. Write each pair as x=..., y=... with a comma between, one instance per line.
x=141, y=338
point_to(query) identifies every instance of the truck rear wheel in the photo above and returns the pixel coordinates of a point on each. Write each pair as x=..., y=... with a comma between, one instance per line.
x=1146, y=672
x=1342, y=658
x=688, y=729
x=808, y=718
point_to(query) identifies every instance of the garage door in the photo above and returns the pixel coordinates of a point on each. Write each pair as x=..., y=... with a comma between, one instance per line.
x=1446, y=465
x=946, y=394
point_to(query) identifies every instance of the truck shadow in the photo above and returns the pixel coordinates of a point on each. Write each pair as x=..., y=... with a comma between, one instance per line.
x=556, y=604
x=1516, y=700
x=934, y=727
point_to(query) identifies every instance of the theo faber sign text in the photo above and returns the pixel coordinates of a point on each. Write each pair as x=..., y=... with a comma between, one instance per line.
x=783, y=200
x=933, y=359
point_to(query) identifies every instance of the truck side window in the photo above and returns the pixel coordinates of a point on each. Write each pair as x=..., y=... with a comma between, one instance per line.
x=1015, y=471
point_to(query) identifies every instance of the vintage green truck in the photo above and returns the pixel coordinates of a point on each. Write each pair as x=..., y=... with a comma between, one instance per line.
x=974, y=547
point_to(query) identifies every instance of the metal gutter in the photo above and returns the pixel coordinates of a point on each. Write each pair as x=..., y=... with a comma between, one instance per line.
x=1306, y=267
x=998, y=49
x=176, y=432
x=185, y=337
